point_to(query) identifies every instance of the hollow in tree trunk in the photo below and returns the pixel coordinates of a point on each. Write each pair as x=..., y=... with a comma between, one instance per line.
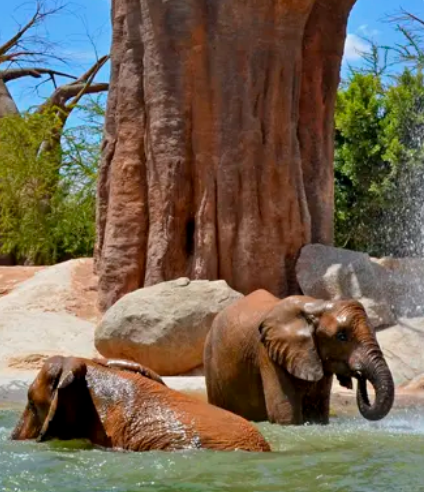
x=218, y=148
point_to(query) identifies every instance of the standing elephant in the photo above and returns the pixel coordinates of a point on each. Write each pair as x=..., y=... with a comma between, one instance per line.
x=272, y=359
x=120, y=404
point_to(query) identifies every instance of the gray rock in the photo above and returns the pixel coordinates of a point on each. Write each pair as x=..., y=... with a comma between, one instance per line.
x=403, y=348
x=164, y=326
x=403, y=279
x=326, y=272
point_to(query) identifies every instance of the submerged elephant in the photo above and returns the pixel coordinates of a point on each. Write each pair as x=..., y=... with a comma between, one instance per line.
x=272, y=359
x=120, y=404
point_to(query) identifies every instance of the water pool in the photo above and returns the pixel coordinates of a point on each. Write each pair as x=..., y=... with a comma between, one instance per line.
x=349, y=455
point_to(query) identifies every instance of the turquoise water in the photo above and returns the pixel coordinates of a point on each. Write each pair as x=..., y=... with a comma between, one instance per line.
x=349, y=455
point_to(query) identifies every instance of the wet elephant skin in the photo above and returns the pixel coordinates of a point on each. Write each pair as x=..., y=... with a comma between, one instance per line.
x=274, y=359
x=119, y=404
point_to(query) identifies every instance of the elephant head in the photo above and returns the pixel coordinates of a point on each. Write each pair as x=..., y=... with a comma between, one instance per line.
x=59, y=403
x=310, y=338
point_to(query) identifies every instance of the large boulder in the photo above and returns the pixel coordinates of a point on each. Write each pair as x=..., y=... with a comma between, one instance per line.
x=164, y=326
x=403, y=348
x=403, y=280
x=326, y=272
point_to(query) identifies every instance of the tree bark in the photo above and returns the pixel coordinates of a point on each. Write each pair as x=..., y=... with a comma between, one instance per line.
x=217, y=156
x=7, y=104
x=323, y=44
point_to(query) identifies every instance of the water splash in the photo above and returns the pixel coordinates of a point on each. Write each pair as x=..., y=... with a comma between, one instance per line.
x=349, y=454
x=142, y=416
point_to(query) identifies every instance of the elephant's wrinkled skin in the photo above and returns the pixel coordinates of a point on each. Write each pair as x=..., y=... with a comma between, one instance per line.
x=120, y=404
x=272, y=359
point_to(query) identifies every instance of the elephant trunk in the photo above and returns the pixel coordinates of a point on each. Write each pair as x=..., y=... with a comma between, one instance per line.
x=16, y=433
x=373, y=368
x=22, y=429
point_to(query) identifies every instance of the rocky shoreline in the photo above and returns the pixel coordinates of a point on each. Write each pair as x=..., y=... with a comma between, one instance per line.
x=53, y=310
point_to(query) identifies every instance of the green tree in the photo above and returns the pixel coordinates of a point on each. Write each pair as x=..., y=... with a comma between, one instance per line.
x=402, y=226
x=47, y=198
x=47, y=170
x=379, y=164
x=362, y=172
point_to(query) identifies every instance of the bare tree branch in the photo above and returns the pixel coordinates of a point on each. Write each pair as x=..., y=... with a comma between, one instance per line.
x=405, y=16
x=32, y=48
x=15, y=39
x=36, y=72
x=64, y=98
x=11, y=57
x=92, y=72
x=65, y=92
x=58, y=101
x=411, y=27
x=83, y=85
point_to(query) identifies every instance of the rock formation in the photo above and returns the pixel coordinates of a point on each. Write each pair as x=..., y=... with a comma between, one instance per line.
x=217, y=157
x=331, y=273
x=164, y=327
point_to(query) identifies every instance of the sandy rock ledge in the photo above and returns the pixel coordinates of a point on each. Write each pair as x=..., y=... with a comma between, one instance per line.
x=52, y=311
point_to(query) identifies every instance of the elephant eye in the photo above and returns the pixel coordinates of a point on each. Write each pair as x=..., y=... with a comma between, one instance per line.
x=342, y=336
x=31, y=406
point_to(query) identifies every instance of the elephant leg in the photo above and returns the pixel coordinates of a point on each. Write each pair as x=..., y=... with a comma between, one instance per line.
x=283, y=405
x=126, y=365
x=316, y=402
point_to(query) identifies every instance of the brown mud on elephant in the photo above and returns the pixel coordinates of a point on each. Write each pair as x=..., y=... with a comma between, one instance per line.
x=120, y=404
x=272, y=359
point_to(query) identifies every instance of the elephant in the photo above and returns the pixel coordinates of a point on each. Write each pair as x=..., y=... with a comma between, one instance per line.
x=274, y=359
x=122, y=405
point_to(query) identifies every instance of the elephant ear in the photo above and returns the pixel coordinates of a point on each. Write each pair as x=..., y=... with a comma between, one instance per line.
x=287, y=332
x=62, y=415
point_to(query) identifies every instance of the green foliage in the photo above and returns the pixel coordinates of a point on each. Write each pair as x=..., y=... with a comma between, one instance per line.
x=361, y=172
x=379, y=164
x=47, y=198
x=404, y=139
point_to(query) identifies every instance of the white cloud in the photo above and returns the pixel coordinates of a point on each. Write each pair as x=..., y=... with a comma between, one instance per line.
x=353, y=48
x=365, y=30
x=81, y=56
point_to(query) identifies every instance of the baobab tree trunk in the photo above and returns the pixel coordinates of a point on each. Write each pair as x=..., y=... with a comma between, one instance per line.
x=7, y=104
x=217, y=156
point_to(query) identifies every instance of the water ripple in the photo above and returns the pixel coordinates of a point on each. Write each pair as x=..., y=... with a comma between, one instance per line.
x=349, y=455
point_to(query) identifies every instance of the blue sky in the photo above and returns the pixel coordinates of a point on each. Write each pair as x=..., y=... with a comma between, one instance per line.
x=369, y=18
x=80, y=29
x=87, y=22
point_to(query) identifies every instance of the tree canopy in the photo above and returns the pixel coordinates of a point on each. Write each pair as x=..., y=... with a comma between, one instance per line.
x=379, y=163
x=47, y=170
